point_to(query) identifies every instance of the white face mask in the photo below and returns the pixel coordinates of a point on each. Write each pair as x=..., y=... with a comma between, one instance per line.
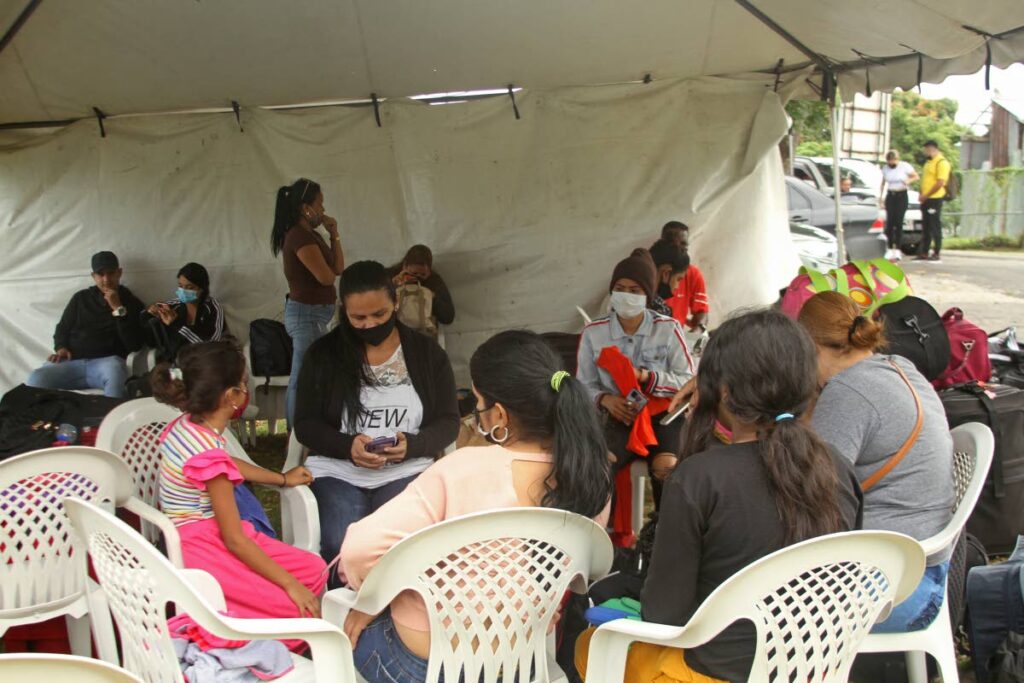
x=628, y=305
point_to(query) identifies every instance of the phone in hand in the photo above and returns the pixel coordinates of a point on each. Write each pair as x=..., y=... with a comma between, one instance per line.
x=380, y=443
x=670, y=417
x=636, y=397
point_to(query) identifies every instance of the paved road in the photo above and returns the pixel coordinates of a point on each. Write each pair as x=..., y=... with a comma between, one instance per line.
x=988, y=286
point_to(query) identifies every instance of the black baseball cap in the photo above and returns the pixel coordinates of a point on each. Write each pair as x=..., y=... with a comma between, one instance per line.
x=104, y=260
x=931, y=143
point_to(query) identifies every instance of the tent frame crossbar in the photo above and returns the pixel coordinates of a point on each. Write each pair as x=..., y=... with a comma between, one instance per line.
x=19, y=23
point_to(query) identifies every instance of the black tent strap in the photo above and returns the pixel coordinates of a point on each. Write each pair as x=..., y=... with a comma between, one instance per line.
x=19, y=23
x=238, y=114
x=376, y=108
x=99, y=119
x=512, y=96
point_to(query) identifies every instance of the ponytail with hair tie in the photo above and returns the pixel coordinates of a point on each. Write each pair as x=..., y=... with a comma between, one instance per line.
x=854, y=326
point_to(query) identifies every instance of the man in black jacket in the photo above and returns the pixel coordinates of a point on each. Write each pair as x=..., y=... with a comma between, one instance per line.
x=99, y=328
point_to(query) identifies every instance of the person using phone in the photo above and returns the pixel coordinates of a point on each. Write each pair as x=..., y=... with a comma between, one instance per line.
x=370, y=379
x=310, y=266
x=654, y=346
x=191, y=317
x=417, y=266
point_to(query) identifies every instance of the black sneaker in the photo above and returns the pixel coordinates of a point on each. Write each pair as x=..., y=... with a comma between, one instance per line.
x=920, y=257
x=935, y=258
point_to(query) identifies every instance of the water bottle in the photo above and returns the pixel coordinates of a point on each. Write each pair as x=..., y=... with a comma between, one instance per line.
x=67, y=433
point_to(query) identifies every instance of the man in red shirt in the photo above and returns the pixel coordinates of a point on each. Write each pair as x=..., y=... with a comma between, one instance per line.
x=689, y=302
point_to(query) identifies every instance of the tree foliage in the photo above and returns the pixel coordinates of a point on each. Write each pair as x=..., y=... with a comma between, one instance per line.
x=914, y=120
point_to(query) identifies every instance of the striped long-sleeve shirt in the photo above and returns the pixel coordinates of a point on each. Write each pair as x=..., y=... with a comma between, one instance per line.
x=658, y=345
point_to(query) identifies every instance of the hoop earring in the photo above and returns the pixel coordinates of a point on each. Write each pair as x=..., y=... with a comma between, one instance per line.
x=503, y=439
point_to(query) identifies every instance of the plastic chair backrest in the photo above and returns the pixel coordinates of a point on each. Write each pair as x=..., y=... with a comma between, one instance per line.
x=132, y=430
x=139, y=582
x=39, y=570
x=811, y=604
x=973, y=448
x=61, y=669
x=296, y=453
x=492, y=582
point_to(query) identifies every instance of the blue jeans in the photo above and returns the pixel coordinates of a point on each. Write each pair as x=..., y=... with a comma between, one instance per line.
x=305, y=324
x=923, y=605
x=108, y=373
x=381, y=656
x=340, y=504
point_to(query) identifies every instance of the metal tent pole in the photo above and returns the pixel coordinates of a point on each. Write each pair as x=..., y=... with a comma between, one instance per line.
x=835, y=107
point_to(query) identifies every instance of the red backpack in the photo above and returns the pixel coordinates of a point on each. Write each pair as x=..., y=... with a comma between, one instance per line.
x=968, y=347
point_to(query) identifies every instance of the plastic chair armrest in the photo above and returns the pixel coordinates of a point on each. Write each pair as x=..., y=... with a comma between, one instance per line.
x=206, y=585
x=300, y=518
x=609, y=647
x=337, y=604
x=329, y=646
x=150, y=514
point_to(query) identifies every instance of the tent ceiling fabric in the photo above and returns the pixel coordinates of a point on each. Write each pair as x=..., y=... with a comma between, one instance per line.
x=143, y=56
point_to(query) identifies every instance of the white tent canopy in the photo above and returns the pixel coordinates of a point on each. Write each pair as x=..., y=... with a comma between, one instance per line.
x=139, y=56
x=526, y=215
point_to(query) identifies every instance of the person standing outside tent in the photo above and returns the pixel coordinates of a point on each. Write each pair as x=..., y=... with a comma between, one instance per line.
x=99, y=328
x=310, y=266
x=896, y=176
x=689, y=302
x=933, y=192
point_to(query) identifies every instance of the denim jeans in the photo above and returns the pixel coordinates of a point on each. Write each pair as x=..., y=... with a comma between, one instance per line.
x=381, y=656
x=305, y=324
x=340, y=504
x=923, y=605
x=108, y=373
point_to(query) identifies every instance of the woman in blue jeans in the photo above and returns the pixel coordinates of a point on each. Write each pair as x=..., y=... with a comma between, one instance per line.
x=370, y=378
x=310, y=266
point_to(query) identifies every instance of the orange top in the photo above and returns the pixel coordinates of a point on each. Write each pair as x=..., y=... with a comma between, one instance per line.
x=691, y=296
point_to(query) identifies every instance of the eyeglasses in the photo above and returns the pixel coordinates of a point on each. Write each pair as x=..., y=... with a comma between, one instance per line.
x=478, y=412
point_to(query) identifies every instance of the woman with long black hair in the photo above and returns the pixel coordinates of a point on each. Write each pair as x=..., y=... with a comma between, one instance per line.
x=548, y=450
x=727, y=506
x=191, y=317
x=371, y=378
x=310, y=266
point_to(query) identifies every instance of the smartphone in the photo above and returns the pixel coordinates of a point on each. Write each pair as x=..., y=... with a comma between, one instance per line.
x=380, y=443
x=637, y=399
x=670, y=417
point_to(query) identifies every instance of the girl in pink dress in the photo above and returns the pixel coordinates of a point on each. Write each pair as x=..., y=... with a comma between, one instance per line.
x=261, y=577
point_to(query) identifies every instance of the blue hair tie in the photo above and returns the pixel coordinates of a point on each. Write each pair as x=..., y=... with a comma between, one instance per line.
x=782, y=417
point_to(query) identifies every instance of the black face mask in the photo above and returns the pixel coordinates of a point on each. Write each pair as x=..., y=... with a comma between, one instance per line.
x=663, y=291
x=375, y=336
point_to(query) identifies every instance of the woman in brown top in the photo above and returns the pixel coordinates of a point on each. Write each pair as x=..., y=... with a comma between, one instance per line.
x=310, y=266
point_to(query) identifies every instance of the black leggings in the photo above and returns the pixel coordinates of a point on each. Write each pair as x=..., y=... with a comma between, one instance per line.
x=895, y=211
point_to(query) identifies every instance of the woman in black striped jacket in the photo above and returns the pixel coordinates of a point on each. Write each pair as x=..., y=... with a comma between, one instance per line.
x=192, y=317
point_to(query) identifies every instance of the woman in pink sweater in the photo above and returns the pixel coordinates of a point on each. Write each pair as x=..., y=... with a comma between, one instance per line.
x=548, y=451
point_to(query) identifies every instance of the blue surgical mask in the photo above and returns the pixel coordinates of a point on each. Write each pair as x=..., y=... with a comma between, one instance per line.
x=187, y=296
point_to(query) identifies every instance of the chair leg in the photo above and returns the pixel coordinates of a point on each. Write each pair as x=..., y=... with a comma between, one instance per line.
x=79, y=636
x=917, y=666
x=639, y=486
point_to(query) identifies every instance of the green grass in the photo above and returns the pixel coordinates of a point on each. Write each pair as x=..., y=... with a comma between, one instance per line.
x=989, y=243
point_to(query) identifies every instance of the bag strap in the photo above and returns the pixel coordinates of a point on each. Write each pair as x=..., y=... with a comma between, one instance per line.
x=988, y=403
x=896, y=457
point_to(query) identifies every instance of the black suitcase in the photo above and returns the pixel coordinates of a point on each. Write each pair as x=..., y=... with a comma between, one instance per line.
x=999, y=515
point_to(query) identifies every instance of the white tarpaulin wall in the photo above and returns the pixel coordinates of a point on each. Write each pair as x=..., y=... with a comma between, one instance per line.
x=526, y=217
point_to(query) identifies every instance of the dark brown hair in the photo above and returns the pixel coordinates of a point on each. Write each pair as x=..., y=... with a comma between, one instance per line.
x=290, y=199
x=762, y=365
x=419, y=255
x=208, y=370
x=835, y=321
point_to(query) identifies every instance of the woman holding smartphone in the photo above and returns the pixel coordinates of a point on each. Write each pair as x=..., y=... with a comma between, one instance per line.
x=375, y=405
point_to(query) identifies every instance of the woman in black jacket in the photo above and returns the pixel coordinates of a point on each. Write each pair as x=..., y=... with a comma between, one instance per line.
x=371, y=378
x=191, y=317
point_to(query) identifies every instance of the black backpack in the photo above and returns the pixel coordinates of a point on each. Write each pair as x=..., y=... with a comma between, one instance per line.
x=915, y=331
x=270, y=349
x=998, y=516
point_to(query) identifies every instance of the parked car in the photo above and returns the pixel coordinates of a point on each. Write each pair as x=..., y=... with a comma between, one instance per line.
x=866, y=180
x=818, y=250
x=861, y=225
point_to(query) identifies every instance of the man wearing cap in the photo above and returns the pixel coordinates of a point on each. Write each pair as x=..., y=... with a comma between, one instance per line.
x=99, y=328
x=935, y=176
x=652, y=348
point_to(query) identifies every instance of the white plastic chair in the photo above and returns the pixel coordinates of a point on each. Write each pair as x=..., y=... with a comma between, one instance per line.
x=41, y=577
x=973, y=447
x=638, y=476
x=61, y=669
x=493, y=582
x=811, y=605
x=133, y=430
x=276, y=383
x=139, y=583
